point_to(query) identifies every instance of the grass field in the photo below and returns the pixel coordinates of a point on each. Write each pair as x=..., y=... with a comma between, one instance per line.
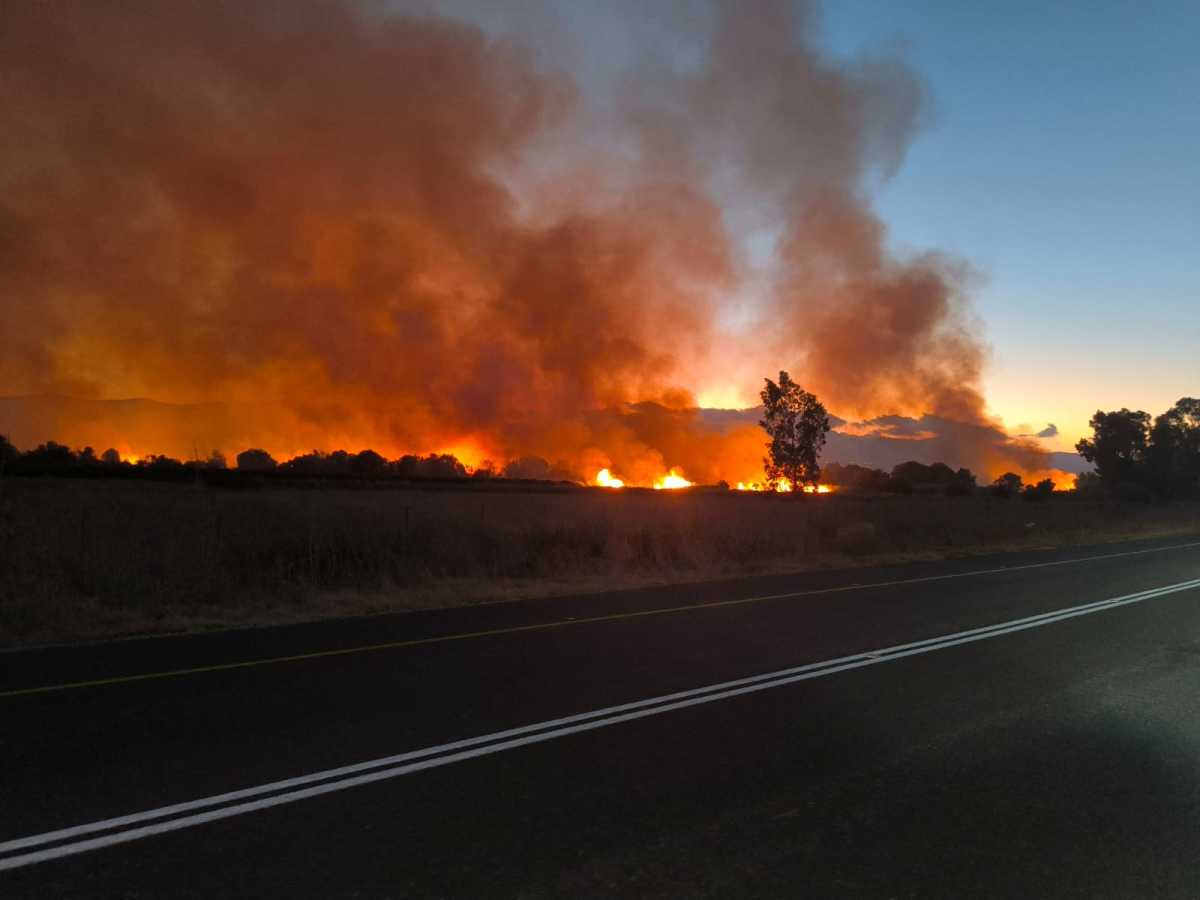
x=92, y=558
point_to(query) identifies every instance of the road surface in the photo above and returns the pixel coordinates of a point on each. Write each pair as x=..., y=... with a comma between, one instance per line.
x=1009, y=726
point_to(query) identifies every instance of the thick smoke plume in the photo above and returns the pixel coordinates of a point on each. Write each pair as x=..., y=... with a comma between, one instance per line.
x=331, y=225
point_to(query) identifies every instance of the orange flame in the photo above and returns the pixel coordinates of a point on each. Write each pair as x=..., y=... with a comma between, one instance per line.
x=672, y=481
x=604, y=478
x=784, y=486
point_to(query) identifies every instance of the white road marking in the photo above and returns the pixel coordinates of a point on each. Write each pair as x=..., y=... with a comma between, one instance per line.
x=456, y=751
x=997, y=571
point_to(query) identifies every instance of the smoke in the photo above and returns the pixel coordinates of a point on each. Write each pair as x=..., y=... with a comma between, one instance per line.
x=355, y=227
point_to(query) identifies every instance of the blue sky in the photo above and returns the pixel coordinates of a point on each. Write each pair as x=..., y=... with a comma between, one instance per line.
x=1062, y=163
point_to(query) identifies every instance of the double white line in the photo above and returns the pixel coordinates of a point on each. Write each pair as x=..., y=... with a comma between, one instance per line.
x=108, y=832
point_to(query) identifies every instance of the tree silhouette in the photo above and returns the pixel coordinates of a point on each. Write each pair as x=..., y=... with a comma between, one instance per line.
x=1118, y=445
x=1007, y=485
x=1043, y=490
x=50, y=455
x=962, y=484
x=444, y=466
x=797, y=424
x=1173, y=454
x=368, y=462
x=8, y=453
x=855, y=477
x=255, y=461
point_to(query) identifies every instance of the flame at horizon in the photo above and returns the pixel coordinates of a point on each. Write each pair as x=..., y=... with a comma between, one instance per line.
x=605, y=478
x=672, y=481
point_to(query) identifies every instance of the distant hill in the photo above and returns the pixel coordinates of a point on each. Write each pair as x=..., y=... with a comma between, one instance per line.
x=1070, y=462
x=889, y=440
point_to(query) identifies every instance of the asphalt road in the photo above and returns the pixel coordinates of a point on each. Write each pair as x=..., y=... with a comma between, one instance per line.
x=929, y=730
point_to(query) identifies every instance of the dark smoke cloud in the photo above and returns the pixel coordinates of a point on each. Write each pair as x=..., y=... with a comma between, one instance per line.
x=328, y=219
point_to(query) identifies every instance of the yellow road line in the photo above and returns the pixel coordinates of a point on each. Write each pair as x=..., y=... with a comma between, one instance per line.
x=393, y=645
x=561, y=623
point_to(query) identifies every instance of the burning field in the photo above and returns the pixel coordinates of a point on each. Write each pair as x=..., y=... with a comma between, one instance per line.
x=318, y=224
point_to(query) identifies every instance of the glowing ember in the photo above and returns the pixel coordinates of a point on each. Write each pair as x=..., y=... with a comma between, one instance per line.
x=673, y=480
x=604, y=478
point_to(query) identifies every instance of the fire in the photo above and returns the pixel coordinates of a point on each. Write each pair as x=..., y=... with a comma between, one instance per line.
x=127, y=455
x=604, y=478
x=673, y=480
x=785, y=486
x=467, y=452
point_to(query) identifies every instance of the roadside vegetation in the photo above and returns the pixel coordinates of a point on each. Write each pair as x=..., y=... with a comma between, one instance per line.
x=95, y=546
x=88, y=558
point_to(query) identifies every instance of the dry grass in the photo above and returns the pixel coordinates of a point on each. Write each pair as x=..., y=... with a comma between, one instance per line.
x=94, y=558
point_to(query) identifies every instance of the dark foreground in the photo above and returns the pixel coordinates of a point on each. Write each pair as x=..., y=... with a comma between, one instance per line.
x=88, y=559
x=1055, y=761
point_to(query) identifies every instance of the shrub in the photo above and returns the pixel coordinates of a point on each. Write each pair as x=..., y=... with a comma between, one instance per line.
x=255, y=461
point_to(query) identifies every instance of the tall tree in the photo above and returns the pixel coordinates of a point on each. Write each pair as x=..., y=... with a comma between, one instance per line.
x=1118, y=445
x=1173, y=455
x=797, y=424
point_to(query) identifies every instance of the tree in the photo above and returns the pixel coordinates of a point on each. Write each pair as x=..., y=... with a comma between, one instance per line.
x=50, y=455
x=255, y=461
x=160, y=463
x=528, y=467
x=1043, y=490
x=8, y=453
x=1007, y=485
x=110, y=457
x=962, y=485
x=445, y=466
x=797, y=424
x=1118, y=446
x=1173, y=454
x=913, y=472
x=1087, y=484
x=367, y=462
x=853, y=477
x=305, y=464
